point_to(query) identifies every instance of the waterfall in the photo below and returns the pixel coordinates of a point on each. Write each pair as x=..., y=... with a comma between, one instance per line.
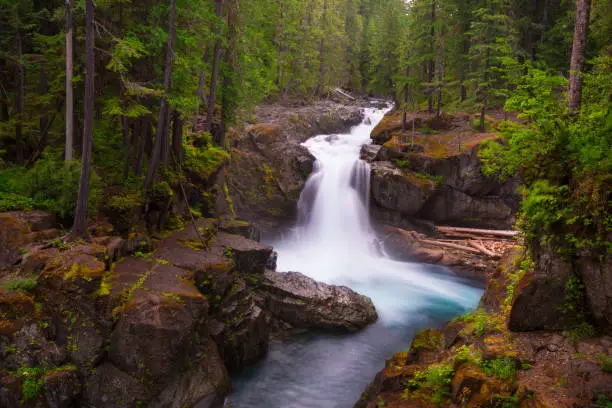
x=334, y=242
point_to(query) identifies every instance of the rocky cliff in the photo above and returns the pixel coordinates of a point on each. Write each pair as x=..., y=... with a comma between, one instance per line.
x=503, y=354
x=435, y=174
x=269, y=166
x=139, y=321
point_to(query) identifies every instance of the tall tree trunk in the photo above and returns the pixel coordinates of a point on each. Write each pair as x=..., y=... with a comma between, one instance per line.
x=160, y=131
x=432, y=63
x=177, y=137
x=212, y=97
x=19, y=97
x=145, y=135
x=228, y=112
x=440, y=77
x=322, y=67
x=126, y=136
x=200, y=100
x=581, y=31
x=79, y=229
x=69, y=88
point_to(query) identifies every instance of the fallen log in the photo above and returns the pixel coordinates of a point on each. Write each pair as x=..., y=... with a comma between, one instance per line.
x=449, y=245
x=481, y=247
x=341, y=92
x=475, y=231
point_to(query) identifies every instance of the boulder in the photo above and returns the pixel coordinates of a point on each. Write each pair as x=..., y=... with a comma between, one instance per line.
x=540, y=299
x=63, y=387
x=249, y=257
x=12, y=232
x=305, y=303
x=396, y=190
x=597, y=278
x=369, y=152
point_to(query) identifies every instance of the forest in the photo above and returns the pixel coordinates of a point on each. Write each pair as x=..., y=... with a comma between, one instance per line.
x=160, y=159
x=125, y=85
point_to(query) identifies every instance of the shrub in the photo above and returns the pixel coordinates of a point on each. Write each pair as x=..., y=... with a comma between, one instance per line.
x=20, y=284
x=51, y=185
x=204, y=161
x=580, y=332
x=15, y=202
x=122, y=210
x=605, y=362
x=33, y=383
x=503, y=368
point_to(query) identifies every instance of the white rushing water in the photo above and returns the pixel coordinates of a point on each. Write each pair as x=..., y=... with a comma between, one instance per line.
x=335, y=243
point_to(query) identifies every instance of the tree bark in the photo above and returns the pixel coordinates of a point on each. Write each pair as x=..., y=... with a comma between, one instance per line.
x=581, y=31
x=69, y=88
x=19, y=97
x=212, y=97
x=79, y=229
x=432, y=63
x=160, y=131
x=200, y=100
x=177, y=137
x=322, y=67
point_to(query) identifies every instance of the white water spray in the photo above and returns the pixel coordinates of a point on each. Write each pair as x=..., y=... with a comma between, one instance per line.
x=334, y=242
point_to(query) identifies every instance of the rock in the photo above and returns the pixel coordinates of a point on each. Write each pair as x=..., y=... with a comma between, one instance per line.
x=597, y=278
x=305, y=303
x=369, y=152
x=63, y=388
x=10, y=390
x=271, y=264
x=108, y=386
x=205, y=385
x=69, y=290
x=539, y=304
x=239, y=227
x=250, y=257
x=155, y=326
x=12, y=232
x=449, y=205
x=395, y=190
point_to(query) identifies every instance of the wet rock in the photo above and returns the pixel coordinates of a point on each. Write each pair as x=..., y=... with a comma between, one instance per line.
x=10, y=390
x=394, y=190
x=369, y=152
x=305, y=303
x=250, y=257
x=271, y=264
x=63, y=388
x=108, y=386
x=239, y=227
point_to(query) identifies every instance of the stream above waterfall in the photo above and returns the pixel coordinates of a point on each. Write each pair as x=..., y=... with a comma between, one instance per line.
x=334, y=242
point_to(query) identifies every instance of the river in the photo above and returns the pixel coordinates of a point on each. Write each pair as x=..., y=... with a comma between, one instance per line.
x=334, y=242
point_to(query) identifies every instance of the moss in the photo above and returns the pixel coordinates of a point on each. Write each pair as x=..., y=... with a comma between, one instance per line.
x=429, y=339
x=14, y=285
x=503, y=368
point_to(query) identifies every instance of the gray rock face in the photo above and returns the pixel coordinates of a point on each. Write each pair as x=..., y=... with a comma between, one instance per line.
x=393, y=190
x=305, y=303
x=445, y=190
x=597, y=277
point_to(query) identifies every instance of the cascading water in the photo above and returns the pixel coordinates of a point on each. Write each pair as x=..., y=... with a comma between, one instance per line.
x=334, y=242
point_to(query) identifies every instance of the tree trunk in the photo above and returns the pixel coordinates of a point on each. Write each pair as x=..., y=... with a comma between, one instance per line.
x=200, y=100
x=439, y=84
x=79, y=229
x=19, y=97
x=126, y=136
x=432, y=63
x=212, y=97
x=145, y=135
x=228, y=112
x=160, y=131
x=322, y=67
x=69, y=88
x=581, y=30
x=177, y=137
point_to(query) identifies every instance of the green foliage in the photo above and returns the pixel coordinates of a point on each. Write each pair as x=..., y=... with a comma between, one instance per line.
x=603, y=402
x=468, y=354
x=51, y=185
x=436, y=379
x=20, y=284
x=581, y=332
x=204, y=161
x=506, y=401
x=476, y=321
x=15, y=202
x=503, y=368
x=33, y=382
x=605, y=362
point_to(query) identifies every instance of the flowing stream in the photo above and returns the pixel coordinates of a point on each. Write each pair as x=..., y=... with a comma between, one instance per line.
x=334, y=242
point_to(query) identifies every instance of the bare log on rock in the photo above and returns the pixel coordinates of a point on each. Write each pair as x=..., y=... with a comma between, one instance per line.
x=475, y=231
